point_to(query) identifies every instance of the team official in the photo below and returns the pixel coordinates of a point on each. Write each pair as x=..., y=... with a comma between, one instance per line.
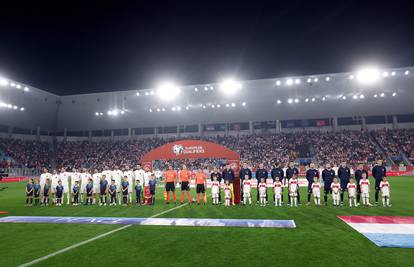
x=344, y=174
x=327, y=176
x=378, y=172
x=311, y=173
x=261, y=173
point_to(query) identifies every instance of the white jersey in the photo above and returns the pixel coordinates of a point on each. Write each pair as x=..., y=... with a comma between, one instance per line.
x=247, y=186
x=293, y=185
x=227, y=192
x=316, y=189
x=55, y=179
x=364, y=185
x=147, y=177
x=158, y=174
x=65, y=178
x=43, y=177
x=352, y=188
x=75, y=177
x=117, y=176
x=85, y=176
x=96, y=177
x=108, y=175
x=139, y=175
x=262, y=189
x=385, y=188
x=215, y=187
x=277, y=188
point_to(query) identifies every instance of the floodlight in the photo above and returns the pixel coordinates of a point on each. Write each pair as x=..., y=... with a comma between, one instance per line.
x=122, y=112
x=289, y=82
x=196, y=89
x=18, y=86
x=307, y=100
x=290, y=101
x=96, y=113
x=233, y=105
x=309, y=80
x=115, y=112
x=344, y=97
x=22, y=109
x=394, y=94
x=296, y=100
x=361, y=96
x=218, y=105
x=150, y=110
x=137, y=93
x=297, y=81
x=173, y=108
x=227, y=105
x=163, y=109
x=407, y=72
x=244, y=104
x=368, y=75
x=393, y=73
x=152, y=93
x=323, y=98
x=178, y=108
x=375, y=96
x=26, y=89
x=313, y=99
x=15, y=107
x=315, y=80
x=351, y=77
x=355, y=97
x=328, y=79
x=278, y=83
x=158, y=109
x=204, y=106
x=4, y=81
x=382, y=95
x=205, y=88
x=385, y=74
x=146, y=93
x=13, y=85
x=211, y=88
x=167, y=91
x=230, y=87
x=187, y=107
x=279, y=101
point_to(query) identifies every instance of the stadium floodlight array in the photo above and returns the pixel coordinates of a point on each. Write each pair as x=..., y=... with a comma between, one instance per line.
x=10, y=106
x=230, y=86
x=168, y=91
x=4, y=82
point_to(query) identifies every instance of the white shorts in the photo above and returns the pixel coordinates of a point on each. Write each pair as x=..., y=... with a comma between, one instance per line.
x=365, y=195
x=385, y=194
x=293, y=194
x=65, y=188
x=278, y=196
x=335, y=196
x=215, y=195
x=246, y=194
x=96, y=188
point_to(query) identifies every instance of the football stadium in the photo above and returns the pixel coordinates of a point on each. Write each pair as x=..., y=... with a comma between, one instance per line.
x=292, y=170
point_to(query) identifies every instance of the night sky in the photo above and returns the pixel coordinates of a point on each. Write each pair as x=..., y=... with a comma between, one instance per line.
x=82, y=48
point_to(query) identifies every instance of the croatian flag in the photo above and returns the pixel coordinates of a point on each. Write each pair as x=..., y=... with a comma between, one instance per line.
x=384, y=231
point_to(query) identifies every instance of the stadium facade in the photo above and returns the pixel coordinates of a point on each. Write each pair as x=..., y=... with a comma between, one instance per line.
x=325, y=102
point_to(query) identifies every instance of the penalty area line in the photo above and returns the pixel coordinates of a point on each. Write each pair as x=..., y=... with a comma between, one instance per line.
x=92, y=239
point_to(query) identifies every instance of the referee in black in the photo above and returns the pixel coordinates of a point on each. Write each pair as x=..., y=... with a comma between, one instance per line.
x=379, y=171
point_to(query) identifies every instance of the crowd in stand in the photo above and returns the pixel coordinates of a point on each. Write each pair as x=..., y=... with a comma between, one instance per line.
x=352, y=146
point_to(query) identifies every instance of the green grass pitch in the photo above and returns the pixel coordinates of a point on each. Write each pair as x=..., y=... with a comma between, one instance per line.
x=320, y=238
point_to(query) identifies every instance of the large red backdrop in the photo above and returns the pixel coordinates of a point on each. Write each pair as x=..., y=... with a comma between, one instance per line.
x=196, y=149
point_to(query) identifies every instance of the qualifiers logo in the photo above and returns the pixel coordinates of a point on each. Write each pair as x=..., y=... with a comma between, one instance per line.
x=180, y=150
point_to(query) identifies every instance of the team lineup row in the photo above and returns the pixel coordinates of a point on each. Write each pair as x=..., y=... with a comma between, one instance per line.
x=121, y=184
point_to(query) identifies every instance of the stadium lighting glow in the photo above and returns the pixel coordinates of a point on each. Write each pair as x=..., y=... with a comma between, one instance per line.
x=368, y=75
x=9, y=106
x=230, y=87
x=115, y=112
x=344, y=97
x=244, y=104
x=26, y=89
x=213, y=106
x=278, y=83
x=351, y=77
x=394, y=94
x=279, y=101
x=289, y=82
x=355, y=97
x=122, y=112
x=296, y=100
x=323, y=98
x=196, y=89
x=4, y=81
x=158, y=109
x=137, y=94
x=233, y=105
x=361, y=96
x=315, y=80
x=173, y=108
x=178, y=108
x=22, y=109
x=290, y=101
x=309, y=80
x=13, y=85
x=146, y=93
x=18, y=86
x=167, y=91
x=393, y=73
x=163, y=109
x=152, y=93
x=96, y=113
x=313, y=99
x=307, y=100
x=101, y=113
x=150, y=110
x=218, y=106
x=187, y=107
x=227, y=105
x=407, y=72
x=297, y=81
x=204, y=107
x=382, y=95
x=15, y=107
x=109, y=112
x=328, y=79
x=385, y=74
x=211, y=88
x=375, y=96
x=205, y=88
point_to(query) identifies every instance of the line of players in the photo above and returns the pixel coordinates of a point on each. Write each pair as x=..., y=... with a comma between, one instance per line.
x=120, y=183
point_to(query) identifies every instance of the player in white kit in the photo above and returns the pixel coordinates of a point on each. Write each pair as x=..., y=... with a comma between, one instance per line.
x=364, y=184
x=293, y=191
x=130, y=178
x=96, y=178
x=262, y=192
x=45, y=175
x=117, y=176
x=139, y=174
x=247, y=190
x=352, y=192
x=278, y=191
x=85, y=176
x=316, y=191
x=65, y=178
x=227, y=193
x=108, y=174
x=215, y=190
x=385, y=192
x=335, y=187
x=54, y=182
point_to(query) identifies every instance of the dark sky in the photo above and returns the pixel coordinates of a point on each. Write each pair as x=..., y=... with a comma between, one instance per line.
x=94, y=47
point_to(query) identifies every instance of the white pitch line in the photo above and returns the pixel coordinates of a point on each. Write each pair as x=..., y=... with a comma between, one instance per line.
x=92, y=239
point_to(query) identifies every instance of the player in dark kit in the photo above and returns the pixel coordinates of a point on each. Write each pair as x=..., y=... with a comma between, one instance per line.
x=290, y=172
x=277, y=171
x=327, y=176
x=378, y=172
x=344, y=174
x=311, y=173
x=261, y=173
x=358, y=176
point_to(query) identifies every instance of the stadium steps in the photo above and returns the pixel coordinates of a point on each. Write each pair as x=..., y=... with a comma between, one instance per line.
x=380, y=149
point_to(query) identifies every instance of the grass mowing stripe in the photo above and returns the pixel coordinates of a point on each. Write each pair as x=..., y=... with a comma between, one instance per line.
x=93, y=239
